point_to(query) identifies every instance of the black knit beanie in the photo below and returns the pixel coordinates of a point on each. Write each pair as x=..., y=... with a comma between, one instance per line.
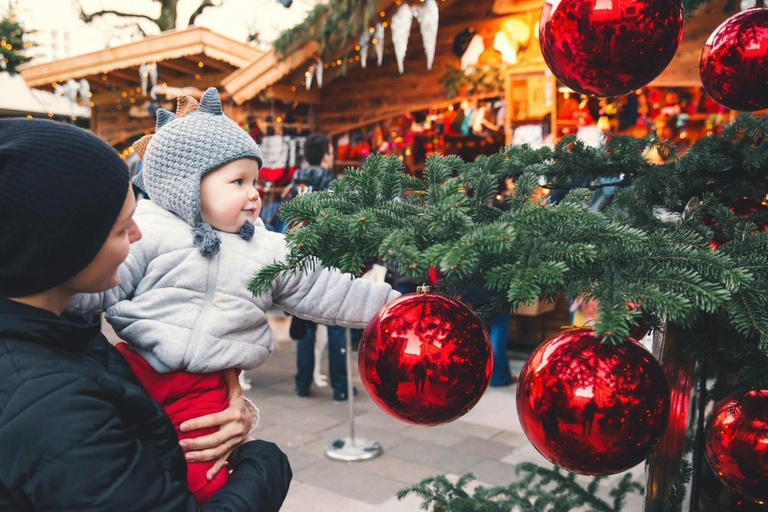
x=61, y=191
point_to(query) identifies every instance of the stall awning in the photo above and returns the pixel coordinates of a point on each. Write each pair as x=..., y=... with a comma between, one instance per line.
x=19, y=100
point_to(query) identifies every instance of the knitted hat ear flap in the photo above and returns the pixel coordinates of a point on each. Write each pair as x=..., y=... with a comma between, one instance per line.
x=206, y=239
x=246, y=231
x=138, y=180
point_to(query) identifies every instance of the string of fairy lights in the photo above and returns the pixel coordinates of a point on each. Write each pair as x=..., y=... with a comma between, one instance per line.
x=382, y=18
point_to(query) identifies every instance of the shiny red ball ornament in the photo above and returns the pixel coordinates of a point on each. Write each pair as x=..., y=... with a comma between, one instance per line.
x=425, y=359
x=736, y=443
x=734, y=62
x=609, y=48
x=592, y=408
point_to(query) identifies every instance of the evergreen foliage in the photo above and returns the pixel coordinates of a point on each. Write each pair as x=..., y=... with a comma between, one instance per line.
x=536, y=250
x=13, y=44
x=331, y=25
x=539, y=490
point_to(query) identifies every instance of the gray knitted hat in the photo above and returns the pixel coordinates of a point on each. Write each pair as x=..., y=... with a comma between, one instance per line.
x=184, y=147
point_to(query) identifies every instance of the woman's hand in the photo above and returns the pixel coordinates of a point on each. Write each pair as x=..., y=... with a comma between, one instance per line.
x=234, y=425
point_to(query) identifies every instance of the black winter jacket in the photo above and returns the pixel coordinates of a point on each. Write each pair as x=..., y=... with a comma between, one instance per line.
x=79, y=433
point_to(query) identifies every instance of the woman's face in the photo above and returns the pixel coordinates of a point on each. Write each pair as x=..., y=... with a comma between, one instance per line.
x=101, y=274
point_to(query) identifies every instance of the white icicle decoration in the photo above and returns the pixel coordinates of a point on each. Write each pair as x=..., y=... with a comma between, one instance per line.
x=428, y=16
x=308, y=76
x=365, y=40
x=379, y=34
x=319, y=74
x=401, y=31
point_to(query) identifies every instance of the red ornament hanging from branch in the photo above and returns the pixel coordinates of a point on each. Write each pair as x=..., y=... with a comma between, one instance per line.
x=734, y=62
x=425, y=359
x=591, y=408
x=737, y=443
x=609, y=48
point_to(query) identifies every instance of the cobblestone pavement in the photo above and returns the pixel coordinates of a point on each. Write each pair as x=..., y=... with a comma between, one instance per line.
x=488, y=441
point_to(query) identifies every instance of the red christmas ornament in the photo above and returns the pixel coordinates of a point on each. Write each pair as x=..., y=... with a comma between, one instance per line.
x=425, y=359
x=737, y=443
x=734, y=62
x=592, y=408
x=604, y=48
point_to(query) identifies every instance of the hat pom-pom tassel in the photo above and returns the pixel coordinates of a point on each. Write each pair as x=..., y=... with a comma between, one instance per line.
x=206, y=239
x=246, y=231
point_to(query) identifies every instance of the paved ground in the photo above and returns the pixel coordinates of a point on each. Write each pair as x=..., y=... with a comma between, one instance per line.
x=488, y=441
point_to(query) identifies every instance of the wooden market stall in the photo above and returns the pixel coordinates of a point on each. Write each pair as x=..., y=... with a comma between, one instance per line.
x=121, y=78
x=373, y=99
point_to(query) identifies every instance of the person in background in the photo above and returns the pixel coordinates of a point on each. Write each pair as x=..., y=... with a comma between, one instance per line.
x=318, y=151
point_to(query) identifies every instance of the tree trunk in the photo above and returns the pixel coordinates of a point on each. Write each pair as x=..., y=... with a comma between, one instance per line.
x=167, y=19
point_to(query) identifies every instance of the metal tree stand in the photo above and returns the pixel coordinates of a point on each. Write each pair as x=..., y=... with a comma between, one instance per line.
x=352, y=448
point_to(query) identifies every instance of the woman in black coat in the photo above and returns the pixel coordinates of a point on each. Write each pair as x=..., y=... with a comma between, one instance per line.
x=77, y=430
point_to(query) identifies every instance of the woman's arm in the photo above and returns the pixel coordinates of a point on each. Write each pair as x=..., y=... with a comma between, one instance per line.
x=236, y=423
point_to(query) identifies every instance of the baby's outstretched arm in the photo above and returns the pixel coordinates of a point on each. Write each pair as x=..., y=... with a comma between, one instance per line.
x=330, y=297
x=131, y=271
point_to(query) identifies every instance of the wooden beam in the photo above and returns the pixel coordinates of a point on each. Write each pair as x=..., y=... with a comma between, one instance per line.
x=287, y=94
x=181, y=65
x=506, y=7
x=211, y=63
x=172, y=44
x=269, y=70
x=341, y=126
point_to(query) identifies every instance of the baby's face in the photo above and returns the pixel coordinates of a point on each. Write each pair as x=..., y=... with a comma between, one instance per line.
x=228, y=195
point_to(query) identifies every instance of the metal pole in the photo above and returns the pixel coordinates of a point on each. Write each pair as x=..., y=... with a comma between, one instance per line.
x=352, y=448
x=350, y=388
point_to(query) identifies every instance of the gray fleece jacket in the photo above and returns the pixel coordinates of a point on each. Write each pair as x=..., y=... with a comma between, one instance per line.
x=184, y=311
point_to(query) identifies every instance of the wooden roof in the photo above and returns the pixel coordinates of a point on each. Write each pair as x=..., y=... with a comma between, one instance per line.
x=269, y=68
x=683, y=71
x=196, y=57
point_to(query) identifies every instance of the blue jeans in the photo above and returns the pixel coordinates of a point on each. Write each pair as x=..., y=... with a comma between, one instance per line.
x=337, y=358
x=500, y=376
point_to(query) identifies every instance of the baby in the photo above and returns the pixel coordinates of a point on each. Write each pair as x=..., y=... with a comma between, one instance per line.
x=182, y=303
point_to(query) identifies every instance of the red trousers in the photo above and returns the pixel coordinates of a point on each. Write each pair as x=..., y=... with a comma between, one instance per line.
x=185, y=396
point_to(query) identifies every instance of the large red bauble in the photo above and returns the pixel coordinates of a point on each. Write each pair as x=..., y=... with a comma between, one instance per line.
x=425, y=359
x=591, y=408
x=737, y=443
x=734, y=62
x=609, y=48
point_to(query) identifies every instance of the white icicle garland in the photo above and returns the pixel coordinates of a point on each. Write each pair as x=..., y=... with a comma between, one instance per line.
x=401, y=30
x=428, y=16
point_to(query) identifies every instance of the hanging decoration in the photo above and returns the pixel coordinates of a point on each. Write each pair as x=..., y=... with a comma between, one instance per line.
x=147, y=73
x=736, y=442
x=84, y=89
x=401, y=31
x=428, y=16
x=461, y=41
x=309, y=74
x=71, y=90
x=378, y=35
x=592, y=408
x=734, y=62
x=475, y=48
x=365, y=41
x=599, y=50
x=425, y=359
x=319, y=73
